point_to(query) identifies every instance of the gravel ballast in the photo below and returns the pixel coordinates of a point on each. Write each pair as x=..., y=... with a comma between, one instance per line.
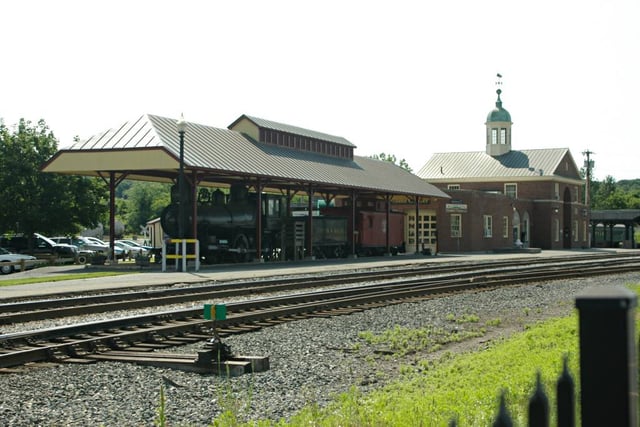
x=311, y=361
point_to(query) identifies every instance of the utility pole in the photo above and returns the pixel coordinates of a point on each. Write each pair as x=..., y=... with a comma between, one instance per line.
x=588, y=164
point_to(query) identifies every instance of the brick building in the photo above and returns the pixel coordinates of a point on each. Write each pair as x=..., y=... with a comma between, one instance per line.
x=505, y=198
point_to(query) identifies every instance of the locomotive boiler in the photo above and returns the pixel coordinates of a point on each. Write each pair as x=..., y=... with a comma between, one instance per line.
x=227, y=224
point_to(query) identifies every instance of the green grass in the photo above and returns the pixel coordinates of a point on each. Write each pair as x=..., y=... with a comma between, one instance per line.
x=61, y=277
x=465, y=387
x=402, y=341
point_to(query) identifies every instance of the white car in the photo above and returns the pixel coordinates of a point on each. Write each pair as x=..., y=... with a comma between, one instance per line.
x=137, y=245
x=6, y=257
x=119, y=252
x=130, y=251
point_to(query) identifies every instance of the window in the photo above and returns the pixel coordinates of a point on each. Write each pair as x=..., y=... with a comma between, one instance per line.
x=556, y=230
x=422, y=230
x=456, y=225
x=511, y=190
x=411, y=229
x=453, y=186
x=488, y=226
x=576, y=235
x=503, y=136
x=584, y=231
x=556, y=189
x=505, y=227
x=273, y=207
x=494, y=136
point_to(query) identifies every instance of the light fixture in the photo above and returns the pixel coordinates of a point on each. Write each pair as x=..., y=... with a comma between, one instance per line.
x=181, y=124
x=182, y=127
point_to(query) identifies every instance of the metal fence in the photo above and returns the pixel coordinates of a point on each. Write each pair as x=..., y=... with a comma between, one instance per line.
x=608, y=367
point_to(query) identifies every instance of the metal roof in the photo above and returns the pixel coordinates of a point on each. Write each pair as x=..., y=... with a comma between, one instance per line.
x=614, y=216
x=148, y=149
x=281, y=127
x=514, y=164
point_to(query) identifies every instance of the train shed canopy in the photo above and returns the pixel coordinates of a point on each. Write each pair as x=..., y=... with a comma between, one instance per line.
x=279, y=156
x=616, y=216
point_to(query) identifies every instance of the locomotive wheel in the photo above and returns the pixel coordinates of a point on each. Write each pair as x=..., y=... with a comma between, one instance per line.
x=339, y=252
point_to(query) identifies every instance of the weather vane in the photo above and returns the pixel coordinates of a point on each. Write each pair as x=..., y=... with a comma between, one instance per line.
x=499, y=81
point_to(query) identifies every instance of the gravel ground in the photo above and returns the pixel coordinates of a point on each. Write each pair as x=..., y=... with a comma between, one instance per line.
x=311, y=360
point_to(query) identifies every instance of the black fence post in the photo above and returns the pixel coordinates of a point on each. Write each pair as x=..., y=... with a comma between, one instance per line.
x=608, y=363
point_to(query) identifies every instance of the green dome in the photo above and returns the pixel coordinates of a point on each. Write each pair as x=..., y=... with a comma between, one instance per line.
x=499, y=114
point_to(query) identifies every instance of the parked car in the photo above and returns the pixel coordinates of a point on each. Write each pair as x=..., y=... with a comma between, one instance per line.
x=132, y=250
x=84, y=243
x=7, y=257
x=127, y=250
x=85, y=253
x=38, y=244
x=119, y=252
x=136, y=244
x=89, y=244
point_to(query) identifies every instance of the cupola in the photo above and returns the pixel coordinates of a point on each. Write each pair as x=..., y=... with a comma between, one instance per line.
x=498, y=129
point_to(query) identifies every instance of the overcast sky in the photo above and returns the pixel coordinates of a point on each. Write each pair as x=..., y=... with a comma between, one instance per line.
x=409, y=78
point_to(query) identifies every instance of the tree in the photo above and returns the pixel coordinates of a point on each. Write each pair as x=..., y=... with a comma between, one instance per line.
x=142, y=201
x=391, y=158
x=609, y=195
x=34, y=201
x=632, y=187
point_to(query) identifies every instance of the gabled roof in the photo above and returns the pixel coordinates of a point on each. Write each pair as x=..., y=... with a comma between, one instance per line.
x=478, y=165
x=281, y=127
x=148, y=147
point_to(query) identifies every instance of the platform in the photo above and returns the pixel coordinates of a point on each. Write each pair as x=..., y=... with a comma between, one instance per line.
x=136, y=277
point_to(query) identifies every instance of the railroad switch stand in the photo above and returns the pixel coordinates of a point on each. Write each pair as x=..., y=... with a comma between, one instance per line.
x=218, y=349
x=218, y=359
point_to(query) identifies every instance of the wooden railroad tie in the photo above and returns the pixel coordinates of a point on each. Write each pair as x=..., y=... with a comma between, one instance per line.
x=204, y=362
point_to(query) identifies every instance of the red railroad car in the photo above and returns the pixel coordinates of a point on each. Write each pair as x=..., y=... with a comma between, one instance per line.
x=371, y=230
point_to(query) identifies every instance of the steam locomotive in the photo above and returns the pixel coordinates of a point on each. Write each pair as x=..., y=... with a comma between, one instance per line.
x=227, y=228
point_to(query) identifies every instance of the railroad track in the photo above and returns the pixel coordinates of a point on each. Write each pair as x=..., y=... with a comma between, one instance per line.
x=88, y=342
x=52, y=308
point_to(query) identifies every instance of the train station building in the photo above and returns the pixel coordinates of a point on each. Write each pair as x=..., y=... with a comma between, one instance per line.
x=507, y=198
x=493, y=199
x=263, y=157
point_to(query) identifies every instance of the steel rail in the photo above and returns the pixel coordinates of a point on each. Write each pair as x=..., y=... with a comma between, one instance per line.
x=26, y=311
x=31, y=346
x=61, y=299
